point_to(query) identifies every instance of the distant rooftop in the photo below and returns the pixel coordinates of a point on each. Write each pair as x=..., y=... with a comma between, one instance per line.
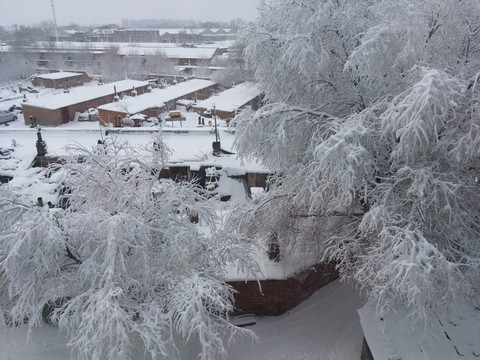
x=169, y=52
x=172, y=51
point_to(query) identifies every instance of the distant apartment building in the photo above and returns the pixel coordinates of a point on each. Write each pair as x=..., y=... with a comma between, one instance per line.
x=182, y=35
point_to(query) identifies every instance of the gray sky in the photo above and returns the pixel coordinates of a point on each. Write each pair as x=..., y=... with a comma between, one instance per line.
x=87, y=12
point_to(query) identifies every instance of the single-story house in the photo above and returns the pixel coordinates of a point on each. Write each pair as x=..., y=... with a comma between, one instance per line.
x=59, y=80
x=227, y=103
x=61, y=108
x=157, y=101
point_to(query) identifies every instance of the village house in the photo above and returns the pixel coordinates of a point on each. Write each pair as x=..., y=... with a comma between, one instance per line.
x=61, y=108
x=60, y=79
x=229, y=102
x=157, y=101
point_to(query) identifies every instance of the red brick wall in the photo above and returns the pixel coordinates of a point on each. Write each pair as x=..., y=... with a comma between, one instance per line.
x=107, y=116
x=45, y=117
x=66, y=81
x=278, y=296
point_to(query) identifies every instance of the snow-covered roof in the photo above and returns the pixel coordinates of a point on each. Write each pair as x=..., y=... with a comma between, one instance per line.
x=82, y=94
x=172, y=51
x=448, y=338
x=72, y=32
x=175, y=31
x=58, y=75
x=233, y=98
x=103, y=31
x=169, y=52
x=158, y=97
x=180, y=31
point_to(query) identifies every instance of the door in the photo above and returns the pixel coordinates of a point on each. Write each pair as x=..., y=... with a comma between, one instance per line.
x=65, y=115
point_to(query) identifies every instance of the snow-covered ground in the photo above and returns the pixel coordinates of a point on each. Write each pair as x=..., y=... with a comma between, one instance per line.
x=324, y=327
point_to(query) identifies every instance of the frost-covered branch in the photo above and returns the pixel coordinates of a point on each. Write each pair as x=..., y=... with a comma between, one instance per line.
x=122, y=259
x=392, y=145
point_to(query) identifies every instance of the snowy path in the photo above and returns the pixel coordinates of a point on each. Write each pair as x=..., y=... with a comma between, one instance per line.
x=324, y=327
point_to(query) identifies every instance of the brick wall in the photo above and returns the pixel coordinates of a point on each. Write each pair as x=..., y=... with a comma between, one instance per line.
x=278, y=296
x=110, y=117
x=68, y=81
x=45, y=117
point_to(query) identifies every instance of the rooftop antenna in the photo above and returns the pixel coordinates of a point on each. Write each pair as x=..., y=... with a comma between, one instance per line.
x=54, y=21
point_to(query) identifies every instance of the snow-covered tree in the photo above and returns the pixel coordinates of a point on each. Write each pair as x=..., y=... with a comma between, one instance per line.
x=120, y=258
x=372, y=128
x=235, y=71
x=15, y=66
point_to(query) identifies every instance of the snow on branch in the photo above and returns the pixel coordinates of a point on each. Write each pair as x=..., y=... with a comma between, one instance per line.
x=121, y=259
x=419, y=117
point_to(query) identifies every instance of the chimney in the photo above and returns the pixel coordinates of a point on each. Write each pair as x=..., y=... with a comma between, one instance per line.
x=216, y=147
x=41, y=145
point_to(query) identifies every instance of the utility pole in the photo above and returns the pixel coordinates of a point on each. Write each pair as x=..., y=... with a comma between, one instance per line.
x=54, y=21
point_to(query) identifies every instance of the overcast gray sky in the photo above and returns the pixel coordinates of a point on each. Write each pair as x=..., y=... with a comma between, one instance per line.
x=87, y=12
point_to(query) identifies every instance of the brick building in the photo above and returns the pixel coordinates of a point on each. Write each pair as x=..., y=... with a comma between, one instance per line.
x=157, y=101
x=59, y=80
x=172, y=35
x=61, y=108
x=275, y=297
x=231, y=101
x=177, y=54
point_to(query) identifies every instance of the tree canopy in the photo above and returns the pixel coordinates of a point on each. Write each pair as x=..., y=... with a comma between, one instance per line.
x=120, y=258
x=371, y=126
